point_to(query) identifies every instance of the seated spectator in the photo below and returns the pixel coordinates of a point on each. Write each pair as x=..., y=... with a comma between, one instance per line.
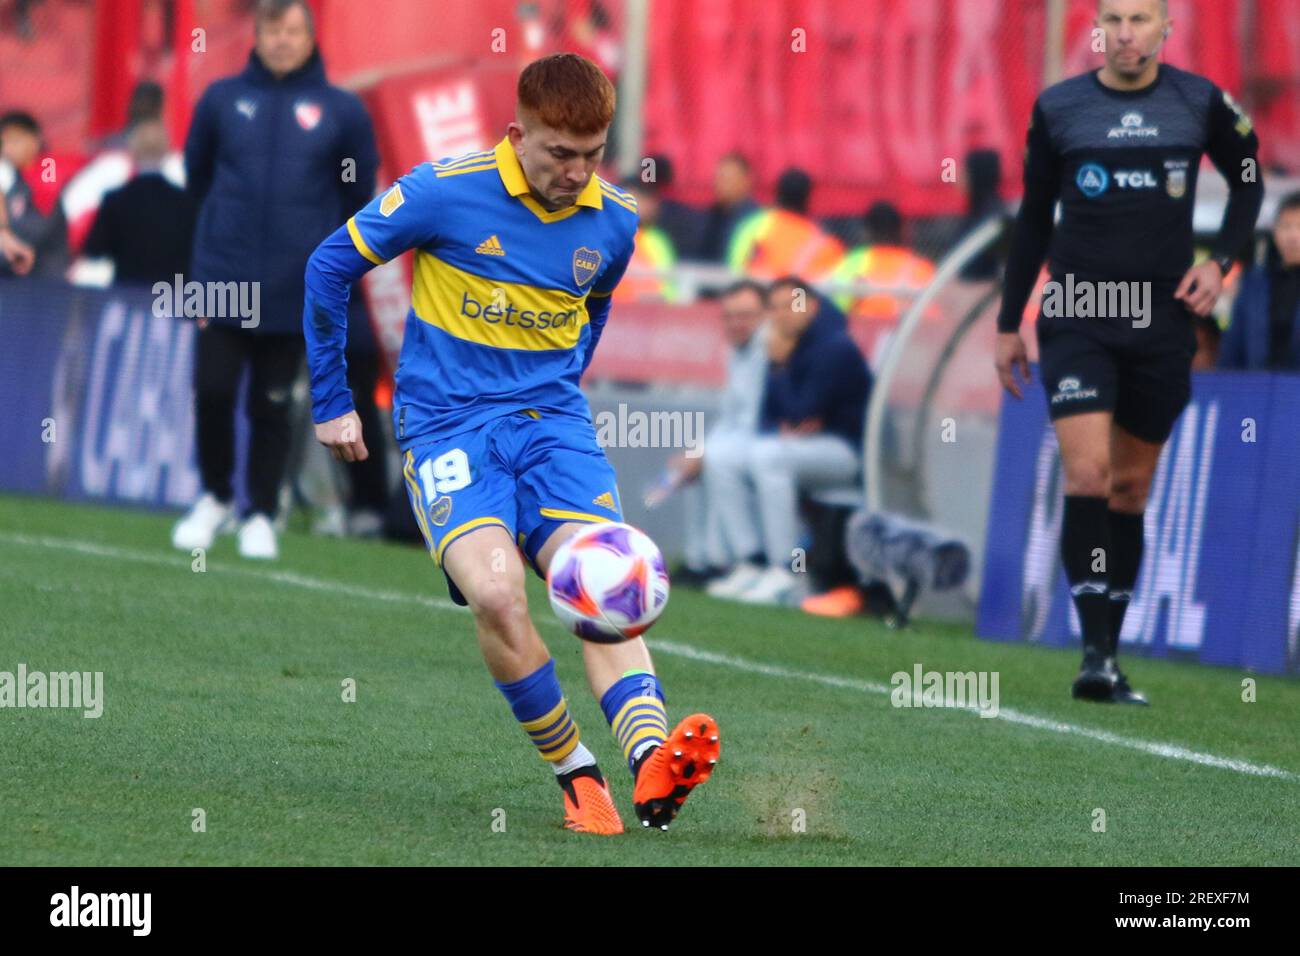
x=33, y=241
x=147, y=226
x=733, y=201
x=727, y=443
x=810, y=436
x=784, y=240
x=1264, y=334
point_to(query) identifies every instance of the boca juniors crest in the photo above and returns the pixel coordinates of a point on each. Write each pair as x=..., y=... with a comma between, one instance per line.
x=586, y=263
x=307, y=114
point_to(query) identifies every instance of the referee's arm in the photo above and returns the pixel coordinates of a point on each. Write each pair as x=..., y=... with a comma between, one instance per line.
x=1033, y=226
x=1233, y=148
x=1030, y=236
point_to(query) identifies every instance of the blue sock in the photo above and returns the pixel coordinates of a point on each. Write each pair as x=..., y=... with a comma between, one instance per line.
x=634, y=707
x=540, y=707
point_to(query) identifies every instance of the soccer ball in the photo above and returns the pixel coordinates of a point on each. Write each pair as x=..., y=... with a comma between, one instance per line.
x=607, y=583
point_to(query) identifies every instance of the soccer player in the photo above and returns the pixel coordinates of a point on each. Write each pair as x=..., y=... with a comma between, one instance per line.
x=1120, y=148
x=517, y=250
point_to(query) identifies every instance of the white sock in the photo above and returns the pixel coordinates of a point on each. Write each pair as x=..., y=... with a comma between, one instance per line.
x=581, y=757
x=642, y=748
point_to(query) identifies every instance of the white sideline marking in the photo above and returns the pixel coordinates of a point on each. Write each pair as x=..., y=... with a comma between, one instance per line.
x=1168, y=751
x=1171, y=751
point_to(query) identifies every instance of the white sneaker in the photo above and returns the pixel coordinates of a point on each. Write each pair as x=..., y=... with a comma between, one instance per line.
x=741, y=577
x=257, y=539
x=777, y=586
x=207, y=519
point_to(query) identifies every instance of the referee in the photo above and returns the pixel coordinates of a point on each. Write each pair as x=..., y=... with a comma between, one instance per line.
x=1119, y=148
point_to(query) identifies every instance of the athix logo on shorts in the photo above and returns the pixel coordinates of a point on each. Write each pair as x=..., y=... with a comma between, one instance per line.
x=1131, y=127
x=1092, y=180
x=1069, y=389
x=509, y=314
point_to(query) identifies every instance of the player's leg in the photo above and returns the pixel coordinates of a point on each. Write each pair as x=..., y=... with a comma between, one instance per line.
x=1084, y=441
x=565, y=482
x=1133, y=463
x=1155, y=386
x=1079, y=374
x=484, y=570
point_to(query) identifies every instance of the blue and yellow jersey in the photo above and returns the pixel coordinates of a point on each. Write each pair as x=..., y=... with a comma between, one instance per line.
x=507, y=299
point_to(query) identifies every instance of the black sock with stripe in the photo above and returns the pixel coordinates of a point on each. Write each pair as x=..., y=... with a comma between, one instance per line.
x=1086, y=554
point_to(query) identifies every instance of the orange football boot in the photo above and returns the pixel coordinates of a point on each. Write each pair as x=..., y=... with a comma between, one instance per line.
x=673, y=769
x=837, y=602
x=588, y=807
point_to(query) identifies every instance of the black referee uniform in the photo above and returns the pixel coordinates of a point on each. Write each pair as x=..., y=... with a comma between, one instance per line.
x=1123, y=165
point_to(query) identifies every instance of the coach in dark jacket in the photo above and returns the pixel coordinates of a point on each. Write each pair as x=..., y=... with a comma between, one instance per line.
x=277, y=159
x=810, y=436
x=817, y=380
x=1264, y=334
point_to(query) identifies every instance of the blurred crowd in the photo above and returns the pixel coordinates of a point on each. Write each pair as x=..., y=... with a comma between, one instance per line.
x=791, y=419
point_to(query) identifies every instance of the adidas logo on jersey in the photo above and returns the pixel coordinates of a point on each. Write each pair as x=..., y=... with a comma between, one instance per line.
x=604, y=500
x=491, y=246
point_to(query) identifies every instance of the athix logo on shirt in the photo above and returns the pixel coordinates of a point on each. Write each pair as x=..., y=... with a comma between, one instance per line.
x=1131, y=127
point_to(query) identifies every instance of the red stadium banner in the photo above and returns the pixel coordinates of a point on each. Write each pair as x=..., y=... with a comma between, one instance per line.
x=873, y=100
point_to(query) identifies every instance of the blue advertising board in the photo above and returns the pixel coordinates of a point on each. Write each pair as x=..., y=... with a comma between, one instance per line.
x=97, y=396
x=1220, y=575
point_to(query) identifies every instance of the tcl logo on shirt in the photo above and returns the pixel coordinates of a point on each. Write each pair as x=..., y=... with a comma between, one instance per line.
x=1135, y=179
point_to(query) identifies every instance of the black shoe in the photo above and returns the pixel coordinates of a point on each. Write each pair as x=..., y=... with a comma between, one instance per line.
x=1124, y=694
x=1096, y=680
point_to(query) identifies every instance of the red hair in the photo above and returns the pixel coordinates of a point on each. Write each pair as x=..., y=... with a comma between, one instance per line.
x=567, y=92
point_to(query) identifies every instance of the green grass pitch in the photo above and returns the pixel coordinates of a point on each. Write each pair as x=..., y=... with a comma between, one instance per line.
x=223, y=692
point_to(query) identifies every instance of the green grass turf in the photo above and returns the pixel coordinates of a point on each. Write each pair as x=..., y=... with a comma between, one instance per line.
x=223, y=692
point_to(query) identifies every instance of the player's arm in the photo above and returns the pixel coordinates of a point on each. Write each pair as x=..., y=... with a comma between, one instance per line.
x=1030, y=236
x=1233, y=147
x=598, y=300
x=1032, y=231
x=384, y=228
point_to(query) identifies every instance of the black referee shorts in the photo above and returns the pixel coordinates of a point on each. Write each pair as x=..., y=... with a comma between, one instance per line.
x=1142, y=376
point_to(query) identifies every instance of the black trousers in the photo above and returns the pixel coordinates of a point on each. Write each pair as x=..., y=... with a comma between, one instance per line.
x=221, y=354
x=369, y=478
